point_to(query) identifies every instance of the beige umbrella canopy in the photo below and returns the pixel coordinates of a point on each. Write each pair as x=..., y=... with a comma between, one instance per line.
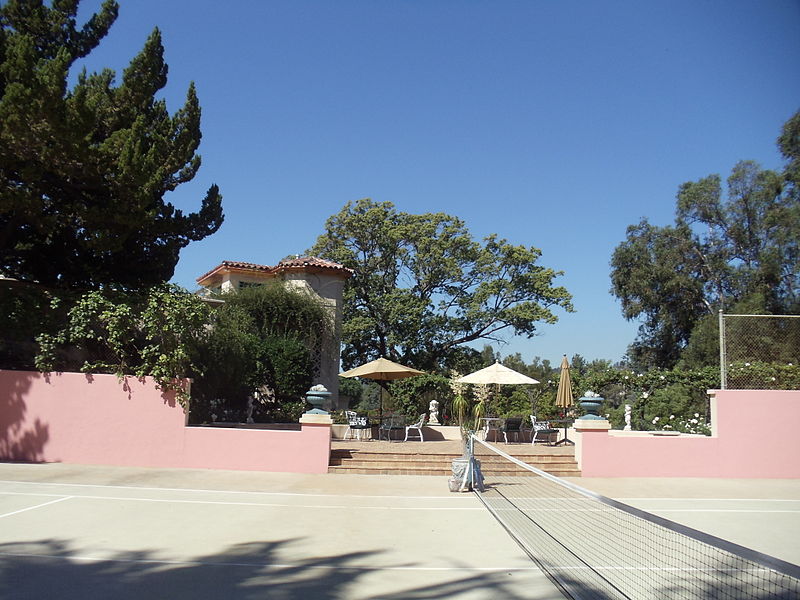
x=564, y=394
x=382, y=370
x=498, y=374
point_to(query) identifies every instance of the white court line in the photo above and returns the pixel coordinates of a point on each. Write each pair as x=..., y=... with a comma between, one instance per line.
x=719, y=510
x=16, y=512
x=219, y=503
x=640, y=498
x=205, y=491
x=336, y=566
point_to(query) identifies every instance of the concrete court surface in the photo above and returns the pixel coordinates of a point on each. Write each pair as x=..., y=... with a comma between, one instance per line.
x=761, y=514
x=73, y=532
x=69, y=531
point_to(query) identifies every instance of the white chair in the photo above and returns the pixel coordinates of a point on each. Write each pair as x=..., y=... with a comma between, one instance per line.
x=542, y=429
x=355, y=423
x=418, y=426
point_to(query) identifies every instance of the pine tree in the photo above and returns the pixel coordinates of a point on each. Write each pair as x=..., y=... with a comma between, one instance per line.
x=83, y=170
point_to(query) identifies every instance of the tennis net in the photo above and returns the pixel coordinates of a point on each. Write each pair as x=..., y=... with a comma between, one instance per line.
x=593, y=547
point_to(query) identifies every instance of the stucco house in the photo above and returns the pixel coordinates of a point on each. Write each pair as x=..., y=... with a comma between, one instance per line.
x=317, y=276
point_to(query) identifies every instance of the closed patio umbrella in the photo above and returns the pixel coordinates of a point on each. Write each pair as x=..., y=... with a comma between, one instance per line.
x=564, y=397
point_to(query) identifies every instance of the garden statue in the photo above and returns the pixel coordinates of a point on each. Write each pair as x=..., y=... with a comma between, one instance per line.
x=433, y=408
x=627, y=417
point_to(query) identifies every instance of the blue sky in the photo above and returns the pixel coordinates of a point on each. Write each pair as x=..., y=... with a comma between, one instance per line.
x=551, y=124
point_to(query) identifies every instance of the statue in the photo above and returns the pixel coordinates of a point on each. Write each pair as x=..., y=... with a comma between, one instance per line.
x=433, y=408
x=627, y=417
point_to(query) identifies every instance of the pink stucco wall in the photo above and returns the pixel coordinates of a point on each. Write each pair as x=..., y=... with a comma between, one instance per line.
x=756, y=434
x=97, y=419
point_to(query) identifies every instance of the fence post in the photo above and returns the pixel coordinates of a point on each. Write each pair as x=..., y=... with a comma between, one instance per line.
x=723, y=370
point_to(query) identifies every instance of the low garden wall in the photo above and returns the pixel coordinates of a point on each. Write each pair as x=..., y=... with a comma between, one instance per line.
x=98, y=419
x=754, y=434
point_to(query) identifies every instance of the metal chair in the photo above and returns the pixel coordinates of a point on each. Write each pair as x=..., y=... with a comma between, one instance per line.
x=542, y=429
x=511, y=425
x=418, y=426
x=388, y=425
x=355, y=423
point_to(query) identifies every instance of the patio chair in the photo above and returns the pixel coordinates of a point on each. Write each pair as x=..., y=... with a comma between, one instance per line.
x=356, y=424
x=512, y=425
x=418, y=426
x=490, y=425
x=389, y=424
x=542, y=431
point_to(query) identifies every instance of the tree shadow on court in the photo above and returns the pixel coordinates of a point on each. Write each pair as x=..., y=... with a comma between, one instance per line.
x=718, y=581
x=52, y=568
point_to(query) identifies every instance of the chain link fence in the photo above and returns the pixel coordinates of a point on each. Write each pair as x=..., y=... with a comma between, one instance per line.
x=759, y=352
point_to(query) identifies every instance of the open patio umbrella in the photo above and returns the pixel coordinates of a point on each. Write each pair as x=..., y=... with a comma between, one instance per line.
x=382, y=369
x=499, y=374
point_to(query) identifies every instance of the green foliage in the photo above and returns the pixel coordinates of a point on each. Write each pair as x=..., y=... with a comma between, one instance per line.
x=290, y=367
x=150, y=333
x=276, y=310
x=231, y=365
x=350, y=389
x=83, y=171
x=423, y=287
x=413, y=395
x=720, y=253
x=27, y=310
x=257, y=355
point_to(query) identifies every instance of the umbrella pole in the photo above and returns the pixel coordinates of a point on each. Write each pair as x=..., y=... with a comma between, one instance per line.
x=380, y=403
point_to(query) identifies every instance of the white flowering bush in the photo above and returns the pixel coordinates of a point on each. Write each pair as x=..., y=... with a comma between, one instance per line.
x=695, y=424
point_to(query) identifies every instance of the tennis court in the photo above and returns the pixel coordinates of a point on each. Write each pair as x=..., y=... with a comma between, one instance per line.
x=686, y=539
x=72, y=531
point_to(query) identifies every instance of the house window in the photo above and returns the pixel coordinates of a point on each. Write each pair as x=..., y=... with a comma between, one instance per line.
x=249, y=284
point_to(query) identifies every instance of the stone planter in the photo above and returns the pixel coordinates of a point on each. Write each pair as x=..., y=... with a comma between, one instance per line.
x=591, y=406
x=317, y=396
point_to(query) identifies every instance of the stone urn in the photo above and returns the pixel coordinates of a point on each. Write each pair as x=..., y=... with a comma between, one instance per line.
x=317, y=396
x=590, y=403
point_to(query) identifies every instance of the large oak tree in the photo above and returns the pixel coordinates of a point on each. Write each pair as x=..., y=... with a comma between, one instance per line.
x=423, y=286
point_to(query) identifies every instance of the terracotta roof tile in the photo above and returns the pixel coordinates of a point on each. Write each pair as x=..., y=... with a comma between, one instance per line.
x=298, y=263
x=311, y=261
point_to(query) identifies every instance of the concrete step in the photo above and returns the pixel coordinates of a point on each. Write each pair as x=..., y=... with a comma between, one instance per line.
x=419, y=463
x=364, y=470
x=433, y=462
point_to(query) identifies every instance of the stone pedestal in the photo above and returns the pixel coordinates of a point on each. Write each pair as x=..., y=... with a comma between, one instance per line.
x=316, y=419
x=585, y=424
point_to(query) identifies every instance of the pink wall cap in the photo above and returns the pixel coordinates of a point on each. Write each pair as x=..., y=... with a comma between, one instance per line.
x=591, y=425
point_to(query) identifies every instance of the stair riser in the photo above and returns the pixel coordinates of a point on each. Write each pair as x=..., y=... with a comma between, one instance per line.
x=563, y=468
x=435, y=472
x=531, y=458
